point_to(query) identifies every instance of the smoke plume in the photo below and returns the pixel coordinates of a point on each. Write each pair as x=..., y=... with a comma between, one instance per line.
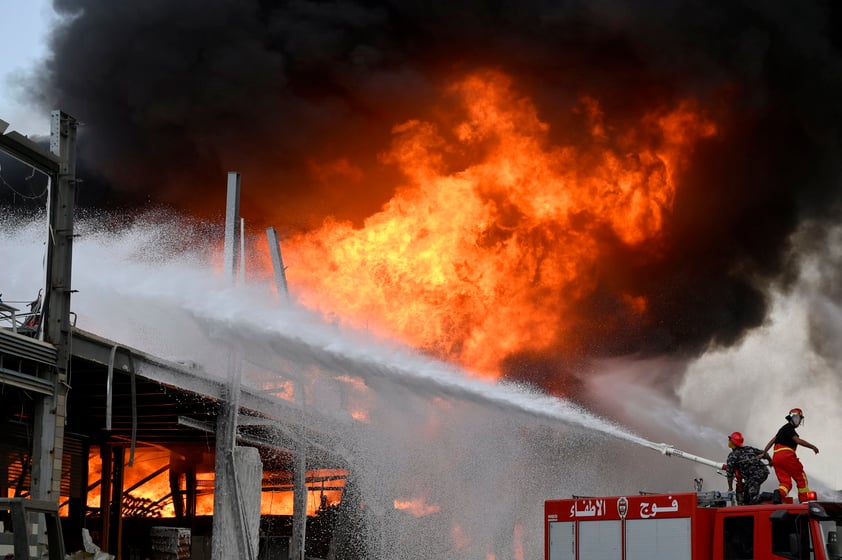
x=302, y=98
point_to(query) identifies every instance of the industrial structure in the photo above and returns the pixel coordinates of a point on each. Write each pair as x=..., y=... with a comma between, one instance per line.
x=79, y=409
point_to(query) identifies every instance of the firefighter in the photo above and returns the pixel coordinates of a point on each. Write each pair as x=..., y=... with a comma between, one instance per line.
x=784, y=460
x=744, y=463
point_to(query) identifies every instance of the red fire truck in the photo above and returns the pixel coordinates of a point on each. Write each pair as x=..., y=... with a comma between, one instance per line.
x=689, y=526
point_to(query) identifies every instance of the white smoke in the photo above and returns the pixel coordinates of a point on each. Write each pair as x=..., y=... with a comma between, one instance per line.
x=792, y=361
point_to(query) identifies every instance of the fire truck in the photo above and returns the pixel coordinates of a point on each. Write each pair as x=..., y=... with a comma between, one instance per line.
x=690, y=526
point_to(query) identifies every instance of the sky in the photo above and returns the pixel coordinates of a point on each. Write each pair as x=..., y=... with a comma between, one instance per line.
x=23, y=42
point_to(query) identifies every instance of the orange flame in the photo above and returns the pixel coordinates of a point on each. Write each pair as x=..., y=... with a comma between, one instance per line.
x=154, y=490
x=417, y=507
x=492, y=239
x=148, y=480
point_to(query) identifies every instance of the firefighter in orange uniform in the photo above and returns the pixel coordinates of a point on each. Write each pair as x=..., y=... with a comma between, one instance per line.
x=784, y=460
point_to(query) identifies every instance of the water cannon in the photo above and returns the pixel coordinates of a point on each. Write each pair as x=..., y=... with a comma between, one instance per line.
x=671, y=451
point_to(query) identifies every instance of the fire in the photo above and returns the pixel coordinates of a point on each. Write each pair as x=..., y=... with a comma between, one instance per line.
x=324, y=488
x=417, y=507
x=148, y=491
x=490, y=244
x=459, y=537
x=146, y=484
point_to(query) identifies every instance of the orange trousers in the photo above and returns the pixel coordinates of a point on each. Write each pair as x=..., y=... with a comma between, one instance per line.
x=788, y=468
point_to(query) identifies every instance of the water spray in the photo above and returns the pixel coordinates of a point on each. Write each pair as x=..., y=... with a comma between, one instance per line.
x=417, y=445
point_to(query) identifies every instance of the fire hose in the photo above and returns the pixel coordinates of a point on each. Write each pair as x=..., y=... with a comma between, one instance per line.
x=671, y=451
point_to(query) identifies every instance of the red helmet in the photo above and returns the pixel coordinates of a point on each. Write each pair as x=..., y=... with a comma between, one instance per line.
x=737, y=438
x=795, y=416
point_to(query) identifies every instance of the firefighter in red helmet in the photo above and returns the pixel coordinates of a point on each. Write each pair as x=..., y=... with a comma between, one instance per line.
x=744, y=465
x=784, y=460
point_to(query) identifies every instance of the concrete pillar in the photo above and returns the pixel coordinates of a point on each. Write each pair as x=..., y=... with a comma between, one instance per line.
x=236, y=507
x=250, y=485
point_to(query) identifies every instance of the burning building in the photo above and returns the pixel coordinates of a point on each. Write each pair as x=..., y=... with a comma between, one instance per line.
x=125, y=453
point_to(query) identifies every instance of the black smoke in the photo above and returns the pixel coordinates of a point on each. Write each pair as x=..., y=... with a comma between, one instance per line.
x=174, y=94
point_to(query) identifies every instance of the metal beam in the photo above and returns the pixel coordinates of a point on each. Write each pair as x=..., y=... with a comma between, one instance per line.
x=50, y=410
x=230, y=250
x=61, y=208
x=27, y=348
x=277, y=263
x=26, y=151
x=96, y=349
x=248, y=440
x=26, y=382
